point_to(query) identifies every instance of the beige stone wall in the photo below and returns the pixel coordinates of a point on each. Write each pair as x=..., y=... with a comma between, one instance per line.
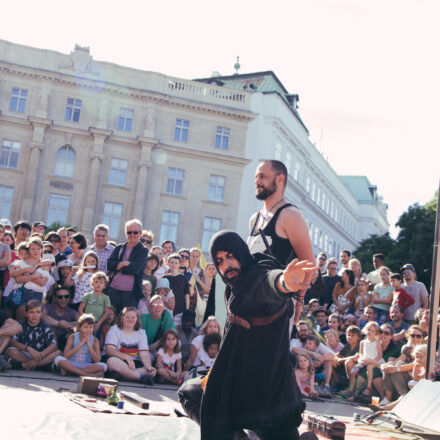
x=104, y=88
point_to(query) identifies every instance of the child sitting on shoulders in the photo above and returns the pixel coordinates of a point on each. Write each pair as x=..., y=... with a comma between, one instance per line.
x=305, y=376
x=211, y=345
x=144, y=302
x=169, y=359
x=400, y=295
x=82, y=353
x=420, y=353
x=96, y=302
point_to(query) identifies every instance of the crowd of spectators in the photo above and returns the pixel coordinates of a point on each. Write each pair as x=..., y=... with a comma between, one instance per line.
x=136, y=310
x=362, y=334
x=130, y=310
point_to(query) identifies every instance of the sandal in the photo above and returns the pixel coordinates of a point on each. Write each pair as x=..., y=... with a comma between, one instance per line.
x=367, y=392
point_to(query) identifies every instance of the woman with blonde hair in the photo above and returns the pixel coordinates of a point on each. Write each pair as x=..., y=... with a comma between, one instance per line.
x=355, y=265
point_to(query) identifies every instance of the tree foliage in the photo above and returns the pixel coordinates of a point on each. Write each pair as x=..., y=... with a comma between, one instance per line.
x=414, y=243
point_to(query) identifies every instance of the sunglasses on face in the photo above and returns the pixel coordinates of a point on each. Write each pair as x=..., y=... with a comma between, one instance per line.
x=144, y=240
x=63, y=296
x=416, y=336
x=55, y=240
x=184, y=257
x=407, y=271
x=133, y=232
x=384, y=333
x=322, y=259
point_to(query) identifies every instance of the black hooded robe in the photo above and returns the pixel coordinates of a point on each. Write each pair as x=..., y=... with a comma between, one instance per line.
x=251, y=384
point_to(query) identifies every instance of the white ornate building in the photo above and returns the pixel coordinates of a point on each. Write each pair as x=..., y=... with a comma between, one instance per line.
x=85, y=142
x=340, y=211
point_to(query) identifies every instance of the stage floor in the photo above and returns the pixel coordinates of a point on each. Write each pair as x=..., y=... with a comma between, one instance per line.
x=31, y=407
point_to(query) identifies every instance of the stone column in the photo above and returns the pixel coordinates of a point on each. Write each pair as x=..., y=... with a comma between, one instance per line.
x=146, y=145
x=32, y=170
x=91, y=188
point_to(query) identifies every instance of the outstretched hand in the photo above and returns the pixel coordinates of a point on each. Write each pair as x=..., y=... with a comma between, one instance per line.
x=295, y=273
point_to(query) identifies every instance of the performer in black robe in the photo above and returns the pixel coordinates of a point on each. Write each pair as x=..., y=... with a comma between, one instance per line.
x=252, y=385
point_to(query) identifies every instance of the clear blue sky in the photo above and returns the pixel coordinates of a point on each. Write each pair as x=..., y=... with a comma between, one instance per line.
x=367, y=73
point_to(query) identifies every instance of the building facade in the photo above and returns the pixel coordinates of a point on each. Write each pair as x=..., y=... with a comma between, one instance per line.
x=85, y=142
x=340, y=212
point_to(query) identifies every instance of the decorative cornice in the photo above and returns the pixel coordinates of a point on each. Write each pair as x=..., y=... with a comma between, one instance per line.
x=116, y=89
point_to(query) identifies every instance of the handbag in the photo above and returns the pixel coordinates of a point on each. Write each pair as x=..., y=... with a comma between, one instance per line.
x=15, y=296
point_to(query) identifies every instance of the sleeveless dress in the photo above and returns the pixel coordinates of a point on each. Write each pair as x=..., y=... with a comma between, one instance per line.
x=82, y=357
x=279, y=247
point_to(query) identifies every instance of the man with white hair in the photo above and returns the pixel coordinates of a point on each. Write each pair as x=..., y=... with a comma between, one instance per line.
x=101, y=246
x=127, y=261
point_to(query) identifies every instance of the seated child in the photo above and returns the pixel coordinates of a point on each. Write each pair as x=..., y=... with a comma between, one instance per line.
x=211, y=345
x=96, y=303
x=420, y=353
x=108, y=323
x=82, y=354
x=169, y=359
x=370, y=356
x=305, y=376
x=36, y=345
x=322, y=363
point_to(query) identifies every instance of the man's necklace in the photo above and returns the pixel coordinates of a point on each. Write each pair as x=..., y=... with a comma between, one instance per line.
x=268, y=212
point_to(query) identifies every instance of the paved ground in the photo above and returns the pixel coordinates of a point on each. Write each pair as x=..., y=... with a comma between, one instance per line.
x=31, y=407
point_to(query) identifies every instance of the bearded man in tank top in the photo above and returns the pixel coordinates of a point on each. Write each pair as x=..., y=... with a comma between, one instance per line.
x=285, y=230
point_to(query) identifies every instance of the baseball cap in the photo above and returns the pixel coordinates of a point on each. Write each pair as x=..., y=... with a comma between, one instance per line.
x=408, y=266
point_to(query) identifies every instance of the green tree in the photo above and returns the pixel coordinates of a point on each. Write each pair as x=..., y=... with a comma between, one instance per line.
x=414, y=243
x=376, y=244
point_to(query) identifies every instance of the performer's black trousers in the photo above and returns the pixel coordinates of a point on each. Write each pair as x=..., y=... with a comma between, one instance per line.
x=190, y=397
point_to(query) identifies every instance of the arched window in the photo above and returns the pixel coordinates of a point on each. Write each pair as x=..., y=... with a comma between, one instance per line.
x=65, y=162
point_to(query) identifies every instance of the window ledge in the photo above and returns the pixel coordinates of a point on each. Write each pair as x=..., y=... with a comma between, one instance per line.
x=174, y=196
x=12, y=170
x=213, y=202
x=109, y=185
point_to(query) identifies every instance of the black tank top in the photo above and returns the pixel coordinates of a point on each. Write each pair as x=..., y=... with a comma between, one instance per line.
x=280, y=247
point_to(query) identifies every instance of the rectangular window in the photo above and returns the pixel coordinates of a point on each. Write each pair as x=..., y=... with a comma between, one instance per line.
x=6, y=195
x=181, y=130
x=222, y=138
x=58, y=209
x=296, y=170
x=118, y=172
x=315, y=238
x=211, y=225
x=216, y=190
x=175, y=181
x=112, y=217
x=308, y=184
x=323, y=200
x=288, y=161
x=9, y=154
x=169, y=226
x=277, y=155
x=311, y=231
x=326, y=243
x=312, y=195
x=73, y=110
x=318, y=196
x=125, y=119
x=18, y=100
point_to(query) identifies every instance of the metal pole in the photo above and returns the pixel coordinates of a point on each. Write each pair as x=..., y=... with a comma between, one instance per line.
x=434, y=299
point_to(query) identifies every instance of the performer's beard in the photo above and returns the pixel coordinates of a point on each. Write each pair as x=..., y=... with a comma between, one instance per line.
x=233, y=280
x=266, y=191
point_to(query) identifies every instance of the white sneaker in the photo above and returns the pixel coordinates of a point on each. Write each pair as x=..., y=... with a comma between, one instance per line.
x=384, y=402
